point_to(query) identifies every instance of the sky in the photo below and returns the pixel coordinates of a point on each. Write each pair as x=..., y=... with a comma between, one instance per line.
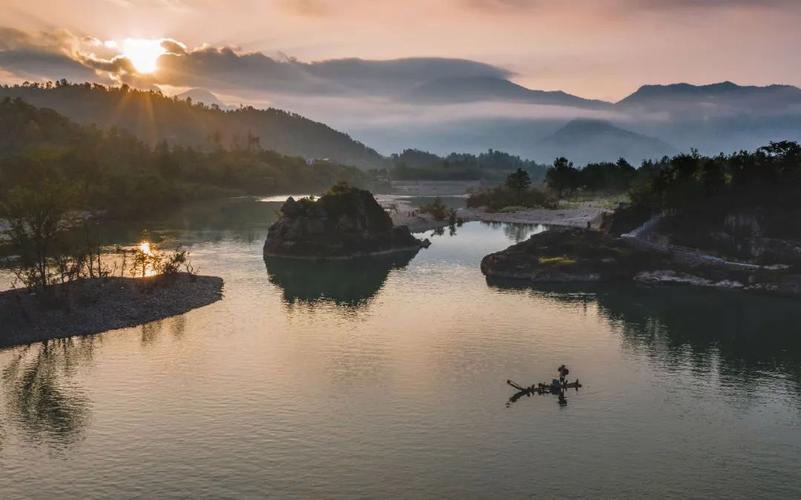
x=597, y=49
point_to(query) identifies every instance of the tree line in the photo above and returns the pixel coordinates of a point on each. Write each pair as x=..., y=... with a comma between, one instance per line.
x=414, y=164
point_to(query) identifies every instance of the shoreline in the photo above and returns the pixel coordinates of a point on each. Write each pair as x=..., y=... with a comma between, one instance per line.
x=579, y=217
x=573, y=255
x=359, y=255
x=101, y=305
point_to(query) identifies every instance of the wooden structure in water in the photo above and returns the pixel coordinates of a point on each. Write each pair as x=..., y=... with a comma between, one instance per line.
x=545, y=388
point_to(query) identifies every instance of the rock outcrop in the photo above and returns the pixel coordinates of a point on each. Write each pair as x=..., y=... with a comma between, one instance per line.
x=581, y=256
x=344, y=223
x=565, y=255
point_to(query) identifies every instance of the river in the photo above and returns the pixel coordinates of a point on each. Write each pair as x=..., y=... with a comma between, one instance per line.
x=388, y=379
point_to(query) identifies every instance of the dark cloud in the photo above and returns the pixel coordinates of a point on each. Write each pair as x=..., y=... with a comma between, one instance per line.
x=42, y=56
x=173, y=46
x=227, y=69
x=115, y=65
x=62, y=55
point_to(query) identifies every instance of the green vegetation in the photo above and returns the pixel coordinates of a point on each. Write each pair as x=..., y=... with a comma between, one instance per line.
x=414, y=164
x=437, y=209
x=742, y=205
x=561, y=260
x=152, y=117
x=116, y=173
x=597, y=178
x=516, y=193
x=54, y=244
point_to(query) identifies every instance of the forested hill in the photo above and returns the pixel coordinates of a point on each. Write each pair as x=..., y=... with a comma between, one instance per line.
x=114, y=171
x=153, y=117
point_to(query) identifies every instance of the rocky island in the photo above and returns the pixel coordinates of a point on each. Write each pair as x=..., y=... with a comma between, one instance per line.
x=571, y=255
x=344, y=223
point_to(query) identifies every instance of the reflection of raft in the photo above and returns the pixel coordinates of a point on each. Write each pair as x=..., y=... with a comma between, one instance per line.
x=552, y=388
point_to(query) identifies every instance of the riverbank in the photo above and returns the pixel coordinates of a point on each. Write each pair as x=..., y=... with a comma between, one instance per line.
x=582, y=215
x=94, y=306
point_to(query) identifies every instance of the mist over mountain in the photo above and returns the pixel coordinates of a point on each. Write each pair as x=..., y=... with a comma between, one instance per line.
x=470, y=114
x=585, y=141
x=475, y=114
x=454, y=90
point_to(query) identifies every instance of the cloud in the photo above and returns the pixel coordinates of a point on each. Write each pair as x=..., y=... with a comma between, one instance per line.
x=173, y=46
x=226, y=69
x=60, y=54
x=42, y=56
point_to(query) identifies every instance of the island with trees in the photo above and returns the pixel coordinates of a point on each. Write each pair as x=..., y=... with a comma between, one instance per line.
x=67, y=284
x=346, y=222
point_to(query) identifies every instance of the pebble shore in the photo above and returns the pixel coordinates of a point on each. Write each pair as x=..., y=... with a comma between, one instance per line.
x=94, y=306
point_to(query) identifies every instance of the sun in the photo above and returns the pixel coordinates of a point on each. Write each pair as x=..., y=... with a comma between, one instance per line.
x=143, y=53
x=145, y=248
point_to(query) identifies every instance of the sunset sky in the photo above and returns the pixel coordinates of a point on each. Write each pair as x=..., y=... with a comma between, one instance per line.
x=601, y=49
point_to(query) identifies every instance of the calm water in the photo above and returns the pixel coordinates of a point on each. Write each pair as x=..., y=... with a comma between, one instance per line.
x=387, y=379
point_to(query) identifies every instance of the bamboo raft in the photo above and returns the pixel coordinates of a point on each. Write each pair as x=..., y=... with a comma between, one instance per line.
x=541, y=389
x=544, y=388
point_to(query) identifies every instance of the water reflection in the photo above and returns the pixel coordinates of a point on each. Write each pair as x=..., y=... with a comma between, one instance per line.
x=747, y=341
x=39, y=398
x=151, y=332
x=517, y=232
x=351, y=283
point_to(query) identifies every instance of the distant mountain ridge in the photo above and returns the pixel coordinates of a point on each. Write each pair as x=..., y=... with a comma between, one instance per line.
x=490, y=88
x=587, y=141
x=153, y=117
x=727, y=89
x=714, y=118
x=538, y=125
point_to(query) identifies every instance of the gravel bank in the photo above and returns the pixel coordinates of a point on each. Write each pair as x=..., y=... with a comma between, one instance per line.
x=95, y=306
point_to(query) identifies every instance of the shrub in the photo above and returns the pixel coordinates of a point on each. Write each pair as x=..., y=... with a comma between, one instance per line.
x=437, y=209
x=502, y=197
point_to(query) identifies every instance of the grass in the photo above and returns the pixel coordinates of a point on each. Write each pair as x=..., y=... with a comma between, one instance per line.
x=609, y=202
x=512, y=209
x=556, y=261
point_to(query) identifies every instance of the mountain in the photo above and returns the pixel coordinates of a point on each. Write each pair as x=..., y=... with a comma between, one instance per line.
x=202, y=96
x=476, y=89
x=115, y=172
x=152, y=117
x=721, y=117
x=585, y=141
x=716, y=98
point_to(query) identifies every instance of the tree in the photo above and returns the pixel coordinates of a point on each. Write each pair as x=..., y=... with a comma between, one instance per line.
x=519, y=180
x=563, y=176
x=36, y=219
